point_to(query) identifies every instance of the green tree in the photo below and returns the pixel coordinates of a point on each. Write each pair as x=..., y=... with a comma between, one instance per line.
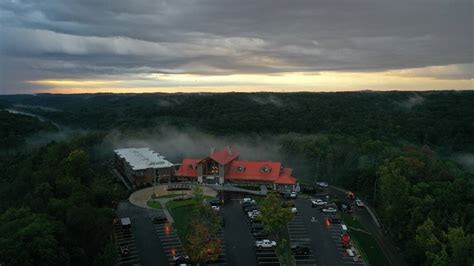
x=274, y=216
x=427, y=241
x=461, y=246
x=202, y=244
x=28, y=239
x=201, y=241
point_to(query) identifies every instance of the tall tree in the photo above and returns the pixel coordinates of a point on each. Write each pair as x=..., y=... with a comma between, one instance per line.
x=28, y=239
x=274, y=216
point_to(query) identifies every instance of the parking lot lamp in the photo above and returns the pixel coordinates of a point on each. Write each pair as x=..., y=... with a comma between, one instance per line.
x=154, y=182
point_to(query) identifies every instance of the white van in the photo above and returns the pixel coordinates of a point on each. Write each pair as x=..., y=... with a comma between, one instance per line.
x=343, y=229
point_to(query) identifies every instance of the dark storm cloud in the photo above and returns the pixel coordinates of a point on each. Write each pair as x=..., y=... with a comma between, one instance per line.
x=90, y=38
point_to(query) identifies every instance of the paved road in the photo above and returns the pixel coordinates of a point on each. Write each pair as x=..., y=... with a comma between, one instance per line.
x=149, y=249
x=238, y=240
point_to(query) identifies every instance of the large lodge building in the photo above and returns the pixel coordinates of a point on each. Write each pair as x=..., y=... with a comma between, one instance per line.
x=223, y=166
x=141, y=165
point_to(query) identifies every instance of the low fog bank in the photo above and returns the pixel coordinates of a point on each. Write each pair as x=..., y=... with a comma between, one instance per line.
x=411, y=102
x=466, y=160
x=177, y=144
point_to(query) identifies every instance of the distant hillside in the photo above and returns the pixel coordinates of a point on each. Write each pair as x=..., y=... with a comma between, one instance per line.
x=442, y=119
x=14, y=128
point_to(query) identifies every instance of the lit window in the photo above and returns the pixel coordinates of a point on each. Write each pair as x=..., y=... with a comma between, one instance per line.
x=266, y=169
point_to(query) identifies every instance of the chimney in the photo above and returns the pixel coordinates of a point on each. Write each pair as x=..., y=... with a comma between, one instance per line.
x=230, y=151
x=212, y=150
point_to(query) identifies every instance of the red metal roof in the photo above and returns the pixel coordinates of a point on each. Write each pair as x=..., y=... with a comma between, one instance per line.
x=241, y=170
x=285, y=178
x=253, y=170
x=188, y=168
x=224, y=155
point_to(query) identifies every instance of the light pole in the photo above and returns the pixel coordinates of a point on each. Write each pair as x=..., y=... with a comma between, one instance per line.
x=154, y=183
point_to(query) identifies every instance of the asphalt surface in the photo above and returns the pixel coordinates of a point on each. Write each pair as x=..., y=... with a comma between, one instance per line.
x=150, y=251
x=325, y=250
x=239, y=242
x=299, y=236
x=239, y=245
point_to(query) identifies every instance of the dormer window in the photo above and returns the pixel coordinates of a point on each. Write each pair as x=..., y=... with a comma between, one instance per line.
x=265, y=169
x=240, y=168
x=191, y=166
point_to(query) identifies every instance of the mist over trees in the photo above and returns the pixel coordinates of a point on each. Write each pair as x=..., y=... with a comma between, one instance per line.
x=395, y=150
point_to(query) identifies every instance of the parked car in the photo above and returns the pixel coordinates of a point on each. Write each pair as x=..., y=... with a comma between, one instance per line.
x=159, y=219
x=182, y=260
x=215, y=202
x=124, y=250
x=328, y=210
x=253, y=215
x=318, y=203
x=346, y=240
x=359, y=203
x=250, y=208
x=343, y=229
x=216, y=208
x=322, y=184
x=265, y=243
x=300, y=250
x=293, y=195
x=126, y=223
x=246, y=204
x=294, y=210
x=345, y=207
x=248, y=200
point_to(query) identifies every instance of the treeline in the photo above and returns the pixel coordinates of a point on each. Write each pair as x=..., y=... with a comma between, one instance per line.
x=441, y=119
x=425, y=203
x=57, y=207
x=14, y=128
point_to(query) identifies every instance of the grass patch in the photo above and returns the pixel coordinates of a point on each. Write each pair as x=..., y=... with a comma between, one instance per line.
x=179, y=203
x=365, y=243
x=153, y=204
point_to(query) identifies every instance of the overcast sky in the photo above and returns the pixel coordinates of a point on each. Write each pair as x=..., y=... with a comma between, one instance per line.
x=72, y=46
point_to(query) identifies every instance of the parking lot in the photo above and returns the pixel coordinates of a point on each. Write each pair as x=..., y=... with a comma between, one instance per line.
x=169, y=241
x=299, y=236
x=325, y=238
x=126, y=246
x=145, y=242
x=156, y=243
x=222, y=260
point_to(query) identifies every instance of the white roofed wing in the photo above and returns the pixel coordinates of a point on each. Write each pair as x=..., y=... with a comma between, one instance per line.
x=143, y=158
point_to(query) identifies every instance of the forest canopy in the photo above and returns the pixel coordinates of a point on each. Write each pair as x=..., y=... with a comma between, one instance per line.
x=396, y=150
